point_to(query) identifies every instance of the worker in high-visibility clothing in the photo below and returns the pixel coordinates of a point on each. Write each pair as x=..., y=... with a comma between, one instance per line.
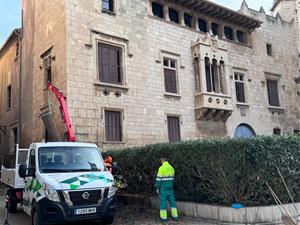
x=165, y=189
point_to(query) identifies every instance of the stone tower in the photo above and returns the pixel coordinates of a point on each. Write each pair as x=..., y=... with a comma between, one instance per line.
x=289, y=11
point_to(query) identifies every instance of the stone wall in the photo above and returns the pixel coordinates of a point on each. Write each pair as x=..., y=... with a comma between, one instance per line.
x=9, y=76
x=144, y=104
x=44, y=30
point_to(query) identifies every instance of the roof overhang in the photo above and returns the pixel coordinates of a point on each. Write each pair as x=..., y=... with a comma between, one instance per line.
x=212, y=9
x=14, y=34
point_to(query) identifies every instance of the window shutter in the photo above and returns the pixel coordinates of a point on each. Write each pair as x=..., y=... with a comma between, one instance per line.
x=240, y=92
x=110, y=64
x=113, y=128
x=272, y=86
x=173, y=129
x=170, y=81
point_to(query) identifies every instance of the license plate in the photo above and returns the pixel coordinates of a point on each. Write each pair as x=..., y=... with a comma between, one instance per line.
x=85, y=211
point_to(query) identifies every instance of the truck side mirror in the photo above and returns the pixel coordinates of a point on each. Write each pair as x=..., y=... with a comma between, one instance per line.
x=31, y=172
x=26, y=172
x=23, y=171
x=115, y=168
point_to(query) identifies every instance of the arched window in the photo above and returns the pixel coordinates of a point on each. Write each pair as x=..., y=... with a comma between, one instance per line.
x=208, y=75
x=228, y=33
x=241, y=36
x=157, y=10
x=244, y=131
x=188, y=20
x=222, y=74
x=215, y=29
x=202, y=25
x=215, y=76
x=173, y=14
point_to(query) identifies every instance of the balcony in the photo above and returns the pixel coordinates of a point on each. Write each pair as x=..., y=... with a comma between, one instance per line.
x=212, y=106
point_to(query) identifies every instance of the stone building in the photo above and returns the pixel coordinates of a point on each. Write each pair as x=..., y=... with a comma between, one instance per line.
x=144, y=71
x=9, y=95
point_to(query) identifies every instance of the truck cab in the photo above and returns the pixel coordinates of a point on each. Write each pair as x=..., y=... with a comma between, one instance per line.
x=67, y=182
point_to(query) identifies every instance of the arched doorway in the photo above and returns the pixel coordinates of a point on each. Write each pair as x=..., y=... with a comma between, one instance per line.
x=244, y=131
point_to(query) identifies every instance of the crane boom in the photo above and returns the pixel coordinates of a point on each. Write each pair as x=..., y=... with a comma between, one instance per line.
x=64, y=111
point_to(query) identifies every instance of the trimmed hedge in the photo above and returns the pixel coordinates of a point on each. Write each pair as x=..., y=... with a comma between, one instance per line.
x=218, y=171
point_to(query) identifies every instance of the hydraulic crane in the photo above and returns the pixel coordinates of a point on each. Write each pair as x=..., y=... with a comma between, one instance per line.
x=70, y=135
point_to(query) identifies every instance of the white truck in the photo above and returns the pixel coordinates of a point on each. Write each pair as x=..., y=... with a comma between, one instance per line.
x=61, y=182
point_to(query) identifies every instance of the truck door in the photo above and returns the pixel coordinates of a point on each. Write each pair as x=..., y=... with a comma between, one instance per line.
x=28, y=193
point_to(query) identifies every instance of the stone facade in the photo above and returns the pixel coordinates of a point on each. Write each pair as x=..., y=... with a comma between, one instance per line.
x=9, y=96
x=69, y=33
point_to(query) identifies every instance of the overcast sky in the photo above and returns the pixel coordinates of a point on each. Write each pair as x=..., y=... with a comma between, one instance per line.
x=10, y=12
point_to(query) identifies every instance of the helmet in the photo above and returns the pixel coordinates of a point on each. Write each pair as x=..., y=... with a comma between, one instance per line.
x=108, y=159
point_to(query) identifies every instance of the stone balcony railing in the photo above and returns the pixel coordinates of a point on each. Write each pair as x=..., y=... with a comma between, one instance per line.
x=213, y=106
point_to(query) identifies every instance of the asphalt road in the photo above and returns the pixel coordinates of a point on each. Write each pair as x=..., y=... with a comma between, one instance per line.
x=127, y=215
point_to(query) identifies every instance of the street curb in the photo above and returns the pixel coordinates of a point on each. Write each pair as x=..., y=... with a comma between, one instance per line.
x=216, y=214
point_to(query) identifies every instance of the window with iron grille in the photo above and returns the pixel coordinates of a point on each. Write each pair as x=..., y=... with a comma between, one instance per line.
x=9, y=97
x=170, y=73
x=108, y=5
x=110, y=64
x=113, y=126
x=174, y=129
x=273, y=94
x=240, y=87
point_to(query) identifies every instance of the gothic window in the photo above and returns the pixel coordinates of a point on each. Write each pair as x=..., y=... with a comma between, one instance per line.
x=157, y=10
x=241, y=36
x=215, y=75
x=228, y=33
x=188, y=20
x=215, y=29
x=202, y=25
x=173, y=14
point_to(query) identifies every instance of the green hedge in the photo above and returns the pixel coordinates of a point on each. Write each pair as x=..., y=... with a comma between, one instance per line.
x=218, y=171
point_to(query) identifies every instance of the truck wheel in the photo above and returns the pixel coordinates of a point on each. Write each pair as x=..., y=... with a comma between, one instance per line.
x=12, y=203
x=35, y=217
x=108, y=220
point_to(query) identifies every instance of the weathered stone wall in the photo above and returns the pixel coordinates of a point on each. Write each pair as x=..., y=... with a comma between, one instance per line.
x=258, y=64
x=144, y=104
x=9, y=76
x=44, y=29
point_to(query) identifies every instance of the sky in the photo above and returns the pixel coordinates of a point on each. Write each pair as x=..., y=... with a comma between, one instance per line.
x=10, y=13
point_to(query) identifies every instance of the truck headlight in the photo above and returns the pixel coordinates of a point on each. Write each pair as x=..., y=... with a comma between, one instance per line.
x=51, y=193
x=112, y=191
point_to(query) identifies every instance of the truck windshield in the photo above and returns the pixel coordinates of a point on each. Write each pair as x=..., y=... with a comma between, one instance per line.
x=69, y=159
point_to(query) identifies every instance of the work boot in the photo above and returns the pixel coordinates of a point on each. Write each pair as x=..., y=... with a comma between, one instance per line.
x=163, y=221
x=175, y=219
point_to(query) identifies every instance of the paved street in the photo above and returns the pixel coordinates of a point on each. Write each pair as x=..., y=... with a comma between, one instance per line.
x=126, y=216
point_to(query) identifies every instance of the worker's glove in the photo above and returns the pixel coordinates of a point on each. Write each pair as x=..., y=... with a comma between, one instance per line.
x=157, y=191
